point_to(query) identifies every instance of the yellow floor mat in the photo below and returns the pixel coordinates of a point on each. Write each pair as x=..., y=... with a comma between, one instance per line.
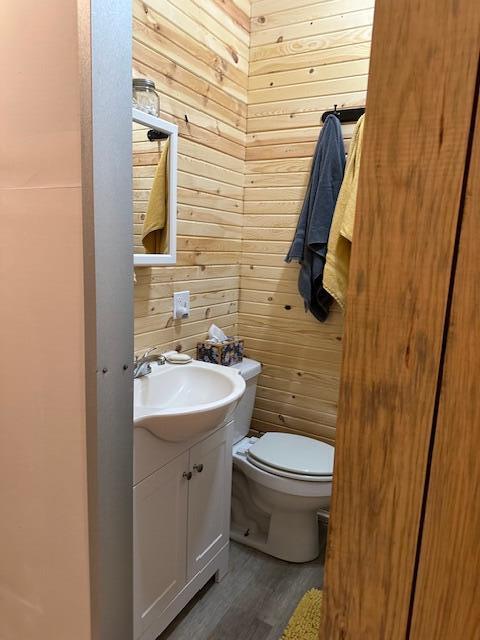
x=305, y=621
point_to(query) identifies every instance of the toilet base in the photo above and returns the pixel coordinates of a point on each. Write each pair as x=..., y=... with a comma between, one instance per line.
x=288, y=535
x=294, y=539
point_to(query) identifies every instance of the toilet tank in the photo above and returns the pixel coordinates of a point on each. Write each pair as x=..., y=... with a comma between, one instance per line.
x=250, y=370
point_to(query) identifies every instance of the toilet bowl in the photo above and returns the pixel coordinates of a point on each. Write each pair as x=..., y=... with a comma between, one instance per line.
x=280, y=481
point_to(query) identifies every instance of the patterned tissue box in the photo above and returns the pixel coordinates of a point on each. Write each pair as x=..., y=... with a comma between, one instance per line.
x=227, y=352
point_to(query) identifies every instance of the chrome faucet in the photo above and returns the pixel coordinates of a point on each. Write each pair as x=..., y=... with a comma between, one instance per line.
x=142, y=364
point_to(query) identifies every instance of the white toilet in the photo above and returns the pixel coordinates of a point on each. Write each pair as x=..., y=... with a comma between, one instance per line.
x=280, y=481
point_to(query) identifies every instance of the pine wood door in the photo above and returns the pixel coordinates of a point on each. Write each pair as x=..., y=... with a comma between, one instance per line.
x=446, y=602
x=417, y=138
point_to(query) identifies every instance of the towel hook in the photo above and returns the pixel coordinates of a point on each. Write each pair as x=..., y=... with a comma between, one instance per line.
x=153, y=134
x=349, y=114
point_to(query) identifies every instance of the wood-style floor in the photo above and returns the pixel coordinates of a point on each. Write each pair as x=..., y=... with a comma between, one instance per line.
x=253, y=602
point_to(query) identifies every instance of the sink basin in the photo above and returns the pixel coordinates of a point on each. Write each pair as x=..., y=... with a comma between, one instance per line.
x=179, y=401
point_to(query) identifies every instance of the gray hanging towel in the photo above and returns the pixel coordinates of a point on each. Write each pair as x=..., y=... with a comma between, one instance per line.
x=309, y=245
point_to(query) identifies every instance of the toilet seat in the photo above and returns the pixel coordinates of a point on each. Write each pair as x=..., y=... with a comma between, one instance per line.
x=292, y=456
x=282, y=484
x=287, y=474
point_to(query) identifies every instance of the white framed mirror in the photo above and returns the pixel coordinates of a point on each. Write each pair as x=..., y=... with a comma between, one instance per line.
x=146, y=154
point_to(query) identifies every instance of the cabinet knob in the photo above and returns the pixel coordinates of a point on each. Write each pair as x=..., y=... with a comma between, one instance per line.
x=187, y=475
x=198, y=468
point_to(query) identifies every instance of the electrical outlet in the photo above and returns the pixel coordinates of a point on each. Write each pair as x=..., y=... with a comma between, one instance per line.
x=181, y=304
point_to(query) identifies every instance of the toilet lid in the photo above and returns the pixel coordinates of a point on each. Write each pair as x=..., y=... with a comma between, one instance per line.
x=296, y=454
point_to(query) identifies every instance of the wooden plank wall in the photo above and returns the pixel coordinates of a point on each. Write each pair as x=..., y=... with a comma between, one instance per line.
x=196, y=51
x=305, y=56
x=253, y=102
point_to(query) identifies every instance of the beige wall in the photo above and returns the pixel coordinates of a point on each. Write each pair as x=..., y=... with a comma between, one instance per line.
x=240, y=195
x=44, y=588
x=197, y=54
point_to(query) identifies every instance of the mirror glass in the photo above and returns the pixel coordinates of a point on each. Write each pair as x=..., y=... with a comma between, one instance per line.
x=145, y=157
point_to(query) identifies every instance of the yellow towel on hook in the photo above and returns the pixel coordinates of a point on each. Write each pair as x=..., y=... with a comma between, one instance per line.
x=155, y=233
x=335, y=274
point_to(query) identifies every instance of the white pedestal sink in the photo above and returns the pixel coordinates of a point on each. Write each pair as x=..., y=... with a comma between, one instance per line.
x=178, y=401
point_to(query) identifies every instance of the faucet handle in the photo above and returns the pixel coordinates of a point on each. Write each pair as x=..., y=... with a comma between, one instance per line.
x=148, y=351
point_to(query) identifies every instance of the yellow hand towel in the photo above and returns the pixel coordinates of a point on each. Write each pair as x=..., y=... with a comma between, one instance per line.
x=335, y=275
x=154, y=233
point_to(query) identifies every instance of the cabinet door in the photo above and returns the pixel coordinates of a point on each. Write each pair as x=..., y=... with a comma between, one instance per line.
x=159, y=540
x=209, y=499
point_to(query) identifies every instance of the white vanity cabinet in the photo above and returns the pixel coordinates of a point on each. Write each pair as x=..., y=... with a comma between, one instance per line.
x=181, y=523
